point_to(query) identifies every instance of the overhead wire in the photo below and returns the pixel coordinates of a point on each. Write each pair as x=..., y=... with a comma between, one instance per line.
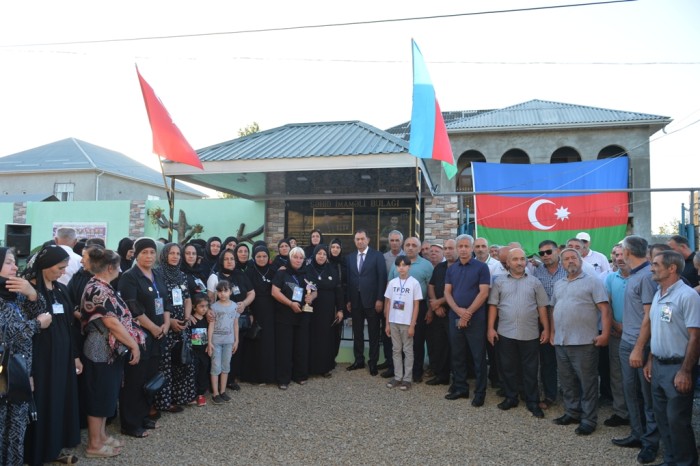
x=320, y=26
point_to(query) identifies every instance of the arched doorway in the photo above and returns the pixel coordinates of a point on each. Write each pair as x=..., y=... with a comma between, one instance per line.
x=515, y=156
x=565, y=155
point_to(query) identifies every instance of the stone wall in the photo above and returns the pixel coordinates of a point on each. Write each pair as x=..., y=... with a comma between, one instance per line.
x=275, y=210
x=19, y=214
x=441, y=218
x=137, y=218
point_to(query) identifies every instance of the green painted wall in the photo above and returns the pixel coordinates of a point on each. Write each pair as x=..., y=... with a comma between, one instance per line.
x=220, y=217
x=42, y=215
x=6, y=210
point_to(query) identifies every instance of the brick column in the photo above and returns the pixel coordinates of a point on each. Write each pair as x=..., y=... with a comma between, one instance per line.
x=19, y=213
x=137, y=218
x=275, y=212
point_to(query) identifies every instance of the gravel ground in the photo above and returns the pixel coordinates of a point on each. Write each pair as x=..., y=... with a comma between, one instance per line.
x=354, y=418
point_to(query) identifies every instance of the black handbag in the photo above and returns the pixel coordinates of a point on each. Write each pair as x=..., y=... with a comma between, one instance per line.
x=154, y=385
x=181, y=353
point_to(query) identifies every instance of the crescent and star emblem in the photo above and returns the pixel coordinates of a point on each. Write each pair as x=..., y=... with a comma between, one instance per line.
x=562, y=213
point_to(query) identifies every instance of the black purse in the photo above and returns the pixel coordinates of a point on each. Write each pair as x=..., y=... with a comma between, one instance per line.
x=154, y=385
x=182, y=353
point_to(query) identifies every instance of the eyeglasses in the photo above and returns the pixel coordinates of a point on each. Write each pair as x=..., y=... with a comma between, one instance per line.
x=547, y=252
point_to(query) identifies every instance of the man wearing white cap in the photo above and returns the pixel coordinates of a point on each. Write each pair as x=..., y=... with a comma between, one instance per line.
x=597, y=260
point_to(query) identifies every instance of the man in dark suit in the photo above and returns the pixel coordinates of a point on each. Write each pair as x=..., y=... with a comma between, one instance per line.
x=366, y=286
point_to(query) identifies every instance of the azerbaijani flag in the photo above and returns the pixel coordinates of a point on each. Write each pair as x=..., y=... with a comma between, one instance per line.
x=531, y=218
x=428, y=138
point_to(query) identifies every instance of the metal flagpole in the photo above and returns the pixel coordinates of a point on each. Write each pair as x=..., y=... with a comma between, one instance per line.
x=418, y=199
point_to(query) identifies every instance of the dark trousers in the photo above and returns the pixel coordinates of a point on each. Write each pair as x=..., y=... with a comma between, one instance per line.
x=673, y=413
x=474, y=337
x=638, y=399
x=292, y=350
x=386, y=342
x=438, y=335
x=358, y=334
x=604, y=373
x=419, y=340
x=518, y=358
x=548, y=371
x=202, y=368
x=134, y=405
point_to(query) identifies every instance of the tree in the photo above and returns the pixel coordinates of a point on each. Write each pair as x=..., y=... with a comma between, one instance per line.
x=252, y=128
x=669, y=228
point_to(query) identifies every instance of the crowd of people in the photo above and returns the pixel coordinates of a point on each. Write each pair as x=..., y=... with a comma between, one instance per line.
x=154, y=327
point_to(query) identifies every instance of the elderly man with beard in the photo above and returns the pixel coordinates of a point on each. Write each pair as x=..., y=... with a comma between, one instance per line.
x=519, y=301
x=577, y=302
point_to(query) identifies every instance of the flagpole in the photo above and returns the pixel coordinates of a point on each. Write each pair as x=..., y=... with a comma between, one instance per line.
x=418, y=199
x=170, y=193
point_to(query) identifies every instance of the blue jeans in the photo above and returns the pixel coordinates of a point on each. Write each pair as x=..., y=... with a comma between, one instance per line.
x=474, y=336
x=578, y=375
x=638, y=398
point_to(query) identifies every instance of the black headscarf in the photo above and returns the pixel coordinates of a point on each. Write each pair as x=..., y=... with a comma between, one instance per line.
x=339, y=258
x=44, y=259
x=5, y=294
x=220, y=263
x=241, y=265
x=228, y=240
x=256, y=250
x=171, y=272
x=125, y=245
x=320, y=247
x=195, y=269
x=208, y=256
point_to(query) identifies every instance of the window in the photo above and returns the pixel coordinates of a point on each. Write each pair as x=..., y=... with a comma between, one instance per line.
x=464, y=181
x=64, y=191
x=565, y=155
x=515, y=156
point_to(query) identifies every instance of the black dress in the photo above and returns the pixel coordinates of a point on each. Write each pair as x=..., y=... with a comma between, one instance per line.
x=55, y=382
x=263, y=310
x=291, y=331
x=322, y=330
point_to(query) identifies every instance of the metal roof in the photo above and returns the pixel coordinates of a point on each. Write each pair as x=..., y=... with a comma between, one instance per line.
x=403, y=130
x=301, y=140
x=545, y=114
x=75, y=155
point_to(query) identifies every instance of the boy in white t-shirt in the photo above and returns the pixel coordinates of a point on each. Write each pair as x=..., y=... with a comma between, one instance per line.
x=401, y=312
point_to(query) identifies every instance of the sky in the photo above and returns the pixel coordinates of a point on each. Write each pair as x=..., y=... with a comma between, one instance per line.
x=67, y=73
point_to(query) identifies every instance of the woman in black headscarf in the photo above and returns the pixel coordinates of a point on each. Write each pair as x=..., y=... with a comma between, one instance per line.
x=328, y=312
x=196, y=279
x=315, y=238
x=261, y=274
x=337, y=261
x=211, y=254
x=282, y=258
x=178, y=389
x=242, y=293
x=22, y=315
x=55, y=365
x=143, y=289
x=125, y=249
x=242, y=253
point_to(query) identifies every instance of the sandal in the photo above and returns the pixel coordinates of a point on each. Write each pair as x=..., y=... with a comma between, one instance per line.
x=150, y=424
x=107, y=451
x=138, y=433
x=114, y=442
x=66, y=458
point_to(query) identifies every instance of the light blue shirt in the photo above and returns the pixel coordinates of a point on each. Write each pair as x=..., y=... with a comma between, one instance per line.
x=615, y=283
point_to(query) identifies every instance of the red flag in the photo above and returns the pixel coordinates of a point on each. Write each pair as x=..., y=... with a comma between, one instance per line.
x=168, y=141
